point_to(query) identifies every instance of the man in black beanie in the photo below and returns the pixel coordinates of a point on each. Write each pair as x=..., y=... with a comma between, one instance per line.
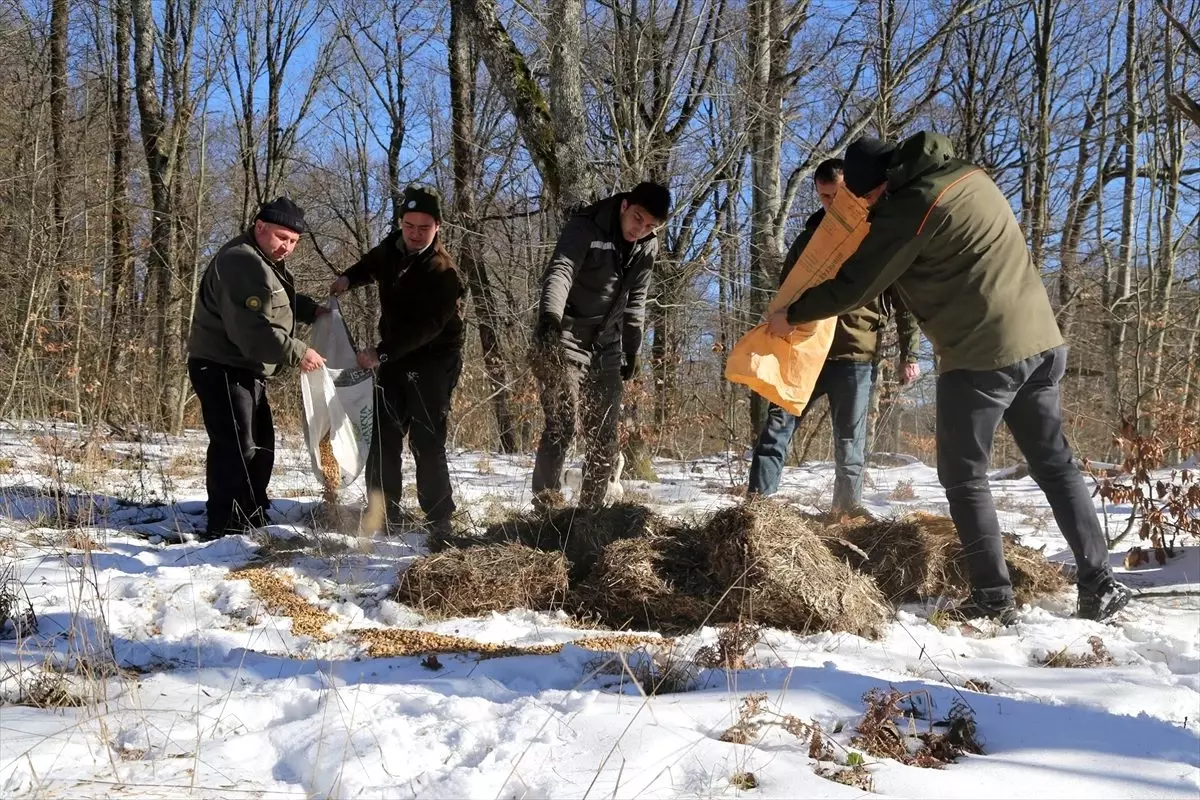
x=419, y=358
x=244, y=331
x=589, y=332
x=945, y=236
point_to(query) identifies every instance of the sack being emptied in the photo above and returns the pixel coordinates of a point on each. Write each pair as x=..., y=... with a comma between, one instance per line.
x=785, y=370
x=339, y=406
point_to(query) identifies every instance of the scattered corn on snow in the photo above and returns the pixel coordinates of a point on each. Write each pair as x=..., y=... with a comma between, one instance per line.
x=218, y=695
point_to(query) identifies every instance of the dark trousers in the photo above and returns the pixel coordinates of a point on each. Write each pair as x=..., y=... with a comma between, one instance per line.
x=1025, y=395
x=574, y=393
x=241, y=444
x=847, y=384
x=412, y=401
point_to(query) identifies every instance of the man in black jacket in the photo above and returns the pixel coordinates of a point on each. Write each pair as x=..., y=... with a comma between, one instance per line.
x=419, y=356
x=244, y=331
x=589, y=331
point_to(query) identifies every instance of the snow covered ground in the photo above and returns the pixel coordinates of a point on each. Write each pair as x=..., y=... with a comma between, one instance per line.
x=211, y=695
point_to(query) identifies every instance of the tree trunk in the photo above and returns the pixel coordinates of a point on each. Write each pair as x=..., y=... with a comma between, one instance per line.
x=566, y=103
x=511, y=74
x=463, y=64
x=1125, y=255
x=120, y=249
x=161, y=264
x=1043, y=76
x=58, y=144
x=765, y=95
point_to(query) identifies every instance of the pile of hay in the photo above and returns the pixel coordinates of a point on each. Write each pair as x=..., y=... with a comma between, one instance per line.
x=485, y=578
x=919, y=556
x=1033, y=577
x=578, y=533
x=652, y=582
x=783, y=574
x=911, y=558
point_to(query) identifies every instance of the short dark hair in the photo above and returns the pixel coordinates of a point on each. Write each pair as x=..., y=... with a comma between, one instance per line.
x=829, y=170
x=654, y=197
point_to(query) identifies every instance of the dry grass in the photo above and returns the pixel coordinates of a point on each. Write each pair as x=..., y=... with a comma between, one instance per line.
x=1097, y=656
x=856, y=776
x=919, y=556
x=783, y=575
x=580, y=534
x=887, y=731
x=652, y=582
x=734, y=643
x=278, y=592
x=903, y=492
x=478, y=580
x=77, y=540
x=188, y=463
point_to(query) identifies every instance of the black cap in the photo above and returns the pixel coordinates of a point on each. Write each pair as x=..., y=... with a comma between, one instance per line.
x=282, y=211
x=866, y=164
x=424, y=199
x=654, y=197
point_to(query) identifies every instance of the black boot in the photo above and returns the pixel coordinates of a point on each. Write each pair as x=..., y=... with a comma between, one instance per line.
x=1104, y=602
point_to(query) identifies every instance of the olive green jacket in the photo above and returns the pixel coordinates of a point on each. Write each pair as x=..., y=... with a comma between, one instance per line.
x=945, y=236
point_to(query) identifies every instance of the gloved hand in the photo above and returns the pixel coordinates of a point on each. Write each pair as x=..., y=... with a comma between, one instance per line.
x=629, y=369
x=547, y=334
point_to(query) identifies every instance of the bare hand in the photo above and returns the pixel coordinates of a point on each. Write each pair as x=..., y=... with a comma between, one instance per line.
x=368, y=358
x=778, y=325
x=312, y=360
x=911, y=372
x=341, y=284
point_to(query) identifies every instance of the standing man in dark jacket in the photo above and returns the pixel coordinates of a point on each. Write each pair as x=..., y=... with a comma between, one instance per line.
x=244, y=331
x=945, y=235
x=846, y=379
x=419, y=357
x=589, y=331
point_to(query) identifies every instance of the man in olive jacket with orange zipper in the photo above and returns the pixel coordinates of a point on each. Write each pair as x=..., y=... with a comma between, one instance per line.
x=944, y=234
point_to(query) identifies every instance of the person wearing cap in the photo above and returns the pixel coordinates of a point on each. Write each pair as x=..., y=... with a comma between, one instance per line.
x=418, y=357
x=846, y=378
x=591, y=318
x=945, y=235
x=243, y=332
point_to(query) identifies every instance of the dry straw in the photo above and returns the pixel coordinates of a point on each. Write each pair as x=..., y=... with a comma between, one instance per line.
x=919, y=556
x=481, y=579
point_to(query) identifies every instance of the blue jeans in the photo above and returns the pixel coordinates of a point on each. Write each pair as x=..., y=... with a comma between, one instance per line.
x=847, y=384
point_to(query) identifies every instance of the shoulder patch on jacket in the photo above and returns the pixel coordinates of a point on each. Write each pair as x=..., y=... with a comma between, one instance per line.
x=603, y=245
x=254, y=303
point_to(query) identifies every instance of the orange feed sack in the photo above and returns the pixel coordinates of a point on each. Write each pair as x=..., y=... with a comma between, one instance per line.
x=785, y=370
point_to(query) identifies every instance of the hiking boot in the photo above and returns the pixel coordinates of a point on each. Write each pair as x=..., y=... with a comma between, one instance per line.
x=1004, y=613
x=1103, y=603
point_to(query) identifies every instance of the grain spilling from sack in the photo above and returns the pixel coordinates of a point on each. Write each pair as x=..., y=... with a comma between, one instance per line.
x=331, y=473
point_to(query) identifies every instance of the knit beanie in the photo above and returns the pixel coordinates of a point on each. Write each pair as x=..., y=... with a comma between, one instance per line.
x=282, y=211
x=866, y=164
x=424, y=199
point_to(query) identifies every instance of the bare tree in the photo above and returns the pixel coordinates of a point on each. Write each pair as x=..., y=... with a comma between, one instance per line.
x=264, y=39
x=463, y=67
